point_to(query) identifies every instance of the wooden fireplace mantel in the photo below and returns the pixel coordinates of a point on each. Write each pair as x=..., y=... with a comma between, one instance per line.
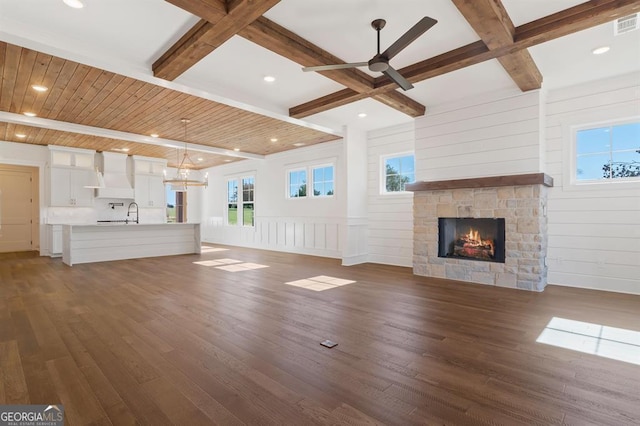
x=485, y=182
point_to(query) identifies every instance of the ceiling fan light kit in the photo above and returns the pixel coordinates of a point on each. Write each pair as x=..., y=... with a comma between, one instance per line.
x=380, y=62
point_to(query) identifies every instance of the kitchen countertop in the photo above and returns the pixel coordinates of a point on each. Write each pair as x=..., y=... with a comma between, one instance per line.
x=93, y=242
x=131, y=224
x=119, y=224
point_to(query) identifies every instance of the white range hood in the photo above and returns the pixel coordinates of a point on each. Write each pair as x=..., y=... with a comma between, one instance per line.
x=116, y=180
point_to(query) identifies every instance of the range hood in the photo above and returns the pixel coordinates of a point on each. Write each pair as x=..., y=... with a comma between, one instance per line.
x=116, y=181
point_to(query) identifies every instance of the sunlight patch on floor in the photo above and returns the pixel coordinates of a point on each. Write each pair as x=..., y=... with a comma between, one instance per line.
x=320, y=283
x=608, y=342
x=217, y=262
x=238, y=267
x=207, y=249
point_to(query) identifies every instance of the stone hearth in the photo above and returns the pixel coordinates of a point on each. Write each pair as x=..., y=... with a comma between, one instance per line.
x=520, y=199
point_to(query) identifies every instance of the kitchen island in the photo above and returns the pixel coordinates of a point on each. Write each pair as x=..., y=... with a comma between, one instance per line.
x=105, y=242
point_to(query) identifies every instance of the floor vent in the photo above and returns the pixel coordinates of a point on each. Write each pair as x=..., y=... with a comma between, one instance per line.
x=626, y=24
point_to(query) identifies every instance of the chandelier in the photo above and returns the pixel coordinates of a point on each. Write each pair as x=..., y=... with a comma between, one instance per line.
x=182, y=179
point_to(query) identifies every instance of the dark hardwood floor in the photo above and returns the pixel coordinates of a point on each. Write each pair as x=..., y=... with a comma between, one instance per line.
x=166, y=341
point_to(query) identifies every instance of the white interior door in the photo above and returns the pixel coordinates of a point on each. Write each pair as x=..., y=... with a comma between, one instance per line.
x=15, y=211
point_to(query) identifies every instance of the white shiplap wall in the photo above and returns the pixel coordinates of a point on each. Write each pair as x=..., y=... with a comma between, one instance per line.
x=483, y=137
x=594, y=230
x=390, y=235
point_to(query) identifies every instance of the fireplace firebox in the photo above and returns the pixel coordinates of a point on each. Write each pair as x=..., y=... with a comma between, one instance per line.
x=472, y=238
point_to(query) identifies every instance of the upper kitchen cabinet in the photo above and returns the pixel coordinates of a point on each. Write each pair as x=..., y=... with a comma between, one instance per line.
x=70, y=171
x=149, y=186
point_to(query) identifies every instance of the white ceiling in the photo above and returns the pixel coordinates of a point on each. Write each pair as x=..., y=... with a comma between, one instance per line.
x=128, y=35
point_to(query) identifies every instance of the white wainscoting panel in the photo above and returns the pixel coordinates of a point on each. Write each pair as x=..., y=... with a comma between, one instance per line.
x=311, y=235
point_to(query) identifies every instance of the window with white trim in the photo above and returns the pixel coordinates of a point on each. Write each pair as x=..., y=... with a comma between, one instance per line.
x=322, y=181
x=248, y=191
x=297, y=183
x=605, y=153
x=312, y=181
x=232, y=202
x=397, y=171
x=241, y=201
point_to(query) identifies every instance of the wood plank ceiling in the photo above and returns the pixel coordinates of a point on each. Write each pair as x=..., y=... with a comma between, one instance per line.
x=499, y=39
x=85, y=95
x=40, y=136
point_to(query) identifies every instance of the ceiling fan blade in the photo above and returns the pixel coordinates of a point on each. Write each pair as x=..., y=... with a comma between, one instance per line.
x=407, y=38
x=398, y=78
x=335, y=67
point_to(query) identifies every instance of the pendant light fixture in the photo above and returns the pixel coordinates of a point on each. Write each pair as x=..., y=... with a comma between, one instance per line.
x=182, y=179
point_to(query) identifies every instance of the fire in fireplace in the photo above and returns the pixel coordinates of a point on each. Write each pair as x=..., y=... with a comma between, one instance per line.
x=472, y=238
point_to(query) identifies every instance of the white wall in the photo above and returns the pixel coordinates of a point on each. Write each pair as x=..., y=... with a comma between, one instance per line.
x=594, y=230
x=38, y=156
x=355, y=233
x=306, y=225
x=480, y=137
x=390, y=235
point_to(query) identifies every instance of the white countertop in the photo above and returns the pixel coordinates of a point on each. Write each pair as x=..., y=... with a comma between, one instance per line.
x=101, y=225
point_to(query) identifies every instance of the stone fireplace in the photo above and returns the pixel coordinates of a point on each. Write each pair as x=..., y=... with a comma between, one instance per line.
x=519, y=200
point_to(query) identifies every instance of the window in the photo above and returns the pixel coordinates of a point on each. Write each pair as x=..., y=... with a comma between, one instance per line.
x=247, y=201
x=232, y=202
x=322, y=181
x=241, y=202
x=297, y=183
x=609, y=152
x=397, y=172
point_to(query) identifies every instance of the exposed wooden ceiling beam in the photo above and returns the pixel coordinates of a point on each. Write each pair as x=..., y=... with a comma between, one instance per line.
x=490, y=20
x=285, y=43
x=221, y=21
x=343, y=97
x=565, y=22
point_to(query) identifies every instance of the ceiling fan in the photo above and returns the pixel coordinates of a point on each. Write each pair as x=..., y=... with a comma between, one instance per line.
x=380, y=62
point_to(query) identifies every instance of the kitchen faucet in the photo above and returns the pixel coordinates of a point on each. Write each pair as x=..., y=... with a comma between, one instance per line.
x=137, y=212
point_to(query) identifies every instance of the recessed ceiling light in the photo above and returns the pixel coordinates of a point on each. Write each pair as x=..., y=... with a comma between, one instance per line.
x=298, y=144
x=269, y=78
x=154, y=135
x=236, y=149
x=600, y=50
x=121, y=149
x=20, y=135
x=274, y=139
x=29, y=114
x=200, y=159
x=76, y=4
x=39, y=88
x=227, y=161
x=362, y=115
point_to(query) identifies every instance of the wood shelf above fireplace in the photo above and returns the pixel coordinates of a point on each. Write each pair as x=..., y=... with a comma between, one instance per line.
x=485, y=182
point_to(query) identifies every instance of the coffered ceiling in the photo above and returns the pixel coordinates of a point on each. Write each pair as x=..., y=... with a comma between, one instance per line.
x=118, y=71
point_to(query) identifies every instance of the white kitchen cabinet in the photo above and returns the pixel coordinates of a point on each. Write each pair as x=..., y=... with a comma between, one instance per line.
x=70, y=171
x=149, y=191
x=149, y=165
x=67, y=187
x=149, y=177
